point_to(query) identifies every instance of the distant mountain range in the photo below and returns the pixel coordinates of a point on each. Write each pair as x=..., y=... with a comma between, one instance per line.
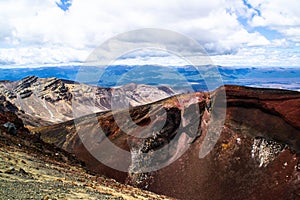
x=53, y=100
x=174, y=77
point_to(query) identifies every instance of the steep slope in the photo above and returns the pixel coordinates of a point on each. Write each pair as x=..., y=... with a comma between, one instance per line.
x=256, y=155
x=32, y=169
x=52, y=100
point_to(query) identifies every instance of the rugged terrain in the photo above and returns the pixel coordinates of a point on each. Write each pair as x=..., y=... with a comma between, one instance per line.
x=256, y=155
x=180, y=146
x=52, y=100
x=32, y=169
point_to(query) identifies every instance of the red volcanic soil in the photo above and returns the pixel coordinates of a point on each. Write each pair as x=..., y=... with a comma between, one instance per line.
x=256, y=156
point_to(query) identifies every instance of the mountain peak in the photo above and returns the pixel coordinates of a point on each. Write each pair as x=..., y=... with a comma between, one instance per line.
x=53, y=99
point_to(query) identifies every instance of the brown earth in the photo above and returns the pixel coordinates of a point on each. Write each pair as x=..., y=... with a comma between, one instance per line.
x=256, y=155
x=32, y=169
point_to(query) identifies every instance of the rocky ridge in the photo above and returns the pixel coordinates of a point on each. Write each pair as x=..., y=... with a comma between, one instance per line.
x=53, y=100
x=256, y=155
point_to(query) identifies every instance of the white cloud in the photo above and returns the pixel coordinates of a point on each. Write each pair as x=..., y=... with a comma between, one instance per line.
x=32, y=56
x=276, y=13
x=260, y=56
x=42, y=30
x=280, y=15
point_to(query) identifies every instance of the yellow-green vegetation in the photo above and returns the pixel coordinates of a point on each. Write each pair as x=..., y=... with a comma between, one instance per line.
x=27, y=173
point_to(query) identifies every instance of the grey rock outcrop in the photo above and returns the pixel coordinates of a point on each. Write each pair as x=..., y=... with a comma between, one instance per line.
x=54, y=100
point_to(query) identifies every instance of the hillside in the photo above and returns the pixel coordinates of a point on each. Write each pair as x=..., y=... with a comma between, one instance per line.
x=53, y=100
x=256, y=155
x=32, y=169
x=232, y=143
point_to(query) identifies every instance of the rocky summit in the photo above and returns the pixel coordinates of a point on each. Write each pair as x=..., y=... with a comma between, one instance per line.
x=232, y=143
x=52, y=100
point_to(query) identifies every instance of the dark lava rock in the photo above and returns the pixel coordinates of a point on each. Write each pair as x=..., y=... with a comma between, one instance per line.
x=11, y=121
x=26, y=82
x=26, y=93
x=6, y=106
x=11, y=128
x=21, y=172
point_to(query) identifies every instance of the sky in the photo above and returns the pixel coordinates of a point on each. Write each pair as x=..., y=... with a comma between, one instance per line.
x=233, y=32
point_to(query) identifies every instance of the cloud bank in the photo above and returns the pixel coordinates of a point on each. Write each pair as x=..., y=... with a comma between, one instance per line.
x=234, y=33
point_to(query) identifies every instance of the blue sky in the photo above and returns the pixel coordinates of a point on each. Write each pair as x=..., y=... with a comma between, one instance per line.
x=64, y=4
x=234, y=33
